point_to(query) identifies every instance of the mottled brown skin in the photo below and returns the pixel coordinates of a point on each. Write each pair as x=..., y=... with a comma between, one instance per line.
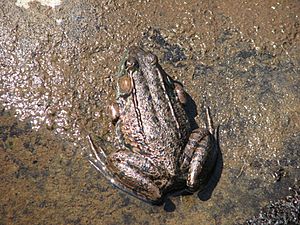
x=157, y=150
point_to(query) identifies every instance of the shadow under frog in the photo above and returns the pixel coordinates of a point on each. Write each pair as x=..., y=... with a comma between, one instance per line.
x=159, y=150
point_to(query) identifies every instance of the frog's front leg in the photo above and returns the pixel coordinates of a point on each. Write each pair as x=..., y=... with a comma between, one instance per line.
x=199, y=156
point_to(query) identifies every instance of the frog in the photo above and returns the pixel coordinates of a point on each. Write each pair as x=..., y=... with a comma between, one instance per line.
x=156, y=150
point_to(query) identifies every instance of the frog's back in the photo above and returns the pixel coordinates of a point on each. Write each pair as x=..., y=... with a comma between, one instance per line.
x=152, y=120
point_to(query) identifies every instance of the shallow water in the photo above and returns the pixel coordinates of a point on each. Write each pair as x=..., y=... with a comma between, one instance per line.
x=57, y=69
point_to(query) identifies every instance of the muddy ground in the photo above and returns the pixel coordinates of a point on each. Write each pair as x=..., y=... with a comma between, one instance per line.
x=57, y=67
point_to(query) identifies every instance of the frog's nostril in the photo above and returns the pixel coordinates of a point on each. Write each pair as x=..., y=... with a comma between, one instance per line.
x=131, y=63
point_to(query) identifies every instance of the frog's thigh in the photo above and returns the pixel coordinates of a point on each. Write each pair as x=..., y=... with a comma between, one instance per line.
x=194, y=157
x=136, y=173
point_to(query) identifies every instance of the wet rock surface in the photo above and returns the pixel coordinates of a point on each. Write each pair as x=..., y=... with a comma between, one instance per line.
x=56, y=81
x=285, y=211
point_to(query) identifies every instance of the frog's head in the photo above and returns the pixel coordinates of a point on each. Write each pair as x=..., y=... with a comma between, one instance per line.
x=141, y=68
x=141, y=74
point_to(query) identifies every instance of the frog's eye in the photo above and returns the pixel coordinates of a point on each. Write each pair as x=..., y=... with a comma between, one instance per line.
x=131, y=63
x=114, y=112
x=152, y=59
x=124, y=84
x=181, y=94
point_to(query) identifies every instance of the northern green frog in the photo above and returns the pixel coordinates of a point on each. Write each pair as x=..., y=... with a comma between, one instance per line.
x=157, y=151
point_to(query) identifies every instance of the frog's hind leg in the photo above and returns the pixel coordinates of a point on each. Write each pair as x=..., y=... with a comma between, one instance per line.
x=199, y=155
x=137, y=175
x=98, y=159
x=210, y=125
x=194, y=157
x=129, y=172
